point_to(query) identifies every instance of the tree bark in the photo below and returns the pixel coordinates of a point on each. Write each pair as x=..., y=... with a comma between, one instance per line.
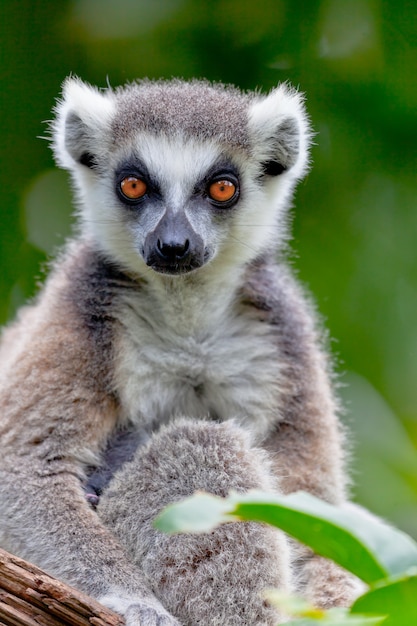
x=30, y=597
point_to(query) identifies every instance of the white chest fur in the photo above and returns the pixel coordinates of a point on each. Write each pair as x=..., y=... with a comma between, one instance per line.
x=219, y=366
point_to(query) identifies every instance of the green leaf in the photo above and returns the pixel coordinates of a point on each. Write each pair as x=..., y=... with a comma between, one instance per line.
x=360, y=543
x=395, y=598
x=198, y=514
x=292, y=604
x=306, y=614
x=338, y=619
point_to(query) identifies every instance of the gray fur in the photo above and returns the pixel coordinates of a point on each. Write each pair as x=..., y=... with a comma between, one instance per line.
x=199, y=578
x=123, y=338
x=197, y=110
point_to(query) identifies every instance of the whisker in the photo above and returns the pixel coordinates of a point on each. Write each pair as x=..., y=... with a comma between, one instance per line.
x=243, y=243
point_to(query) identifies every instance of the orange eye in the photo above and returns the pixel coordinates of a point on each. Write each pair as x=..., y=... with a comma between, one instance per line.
x=133, y=188
x=222, y=190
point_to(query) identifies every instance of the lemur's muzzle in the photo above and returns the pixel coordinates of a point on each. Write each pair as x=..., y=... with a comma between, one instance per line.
x=174, y=247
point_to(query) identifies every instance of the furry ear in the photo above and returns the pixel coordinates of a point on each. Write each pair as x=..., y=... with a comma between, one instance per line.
x=280, y=132
x=83, y=116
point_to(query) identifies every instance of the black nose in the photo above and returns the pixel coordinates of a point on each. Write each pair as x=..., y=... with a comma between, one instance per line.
x=174, y=247
x=173, y=251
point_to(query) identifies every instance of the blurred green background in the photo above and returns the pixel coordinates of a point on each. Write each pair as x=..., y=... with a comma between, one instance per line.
x=355, y=218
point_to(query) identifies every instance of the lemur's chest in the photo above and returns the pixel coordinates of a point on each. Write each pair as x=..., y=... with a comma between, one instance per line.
x=229, y=370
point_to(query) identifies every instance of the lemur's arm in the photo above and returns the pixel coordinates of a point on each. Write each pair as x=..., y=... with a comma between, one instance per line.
x=56, y=413
x=306, y=444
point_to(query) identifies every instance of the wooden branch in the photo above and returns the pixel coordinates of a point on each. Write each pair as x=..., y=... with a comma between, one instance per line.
x=30, y=597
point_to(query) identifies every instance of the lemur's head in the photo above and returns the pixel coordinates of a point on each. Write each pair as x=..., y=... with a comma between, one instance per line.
x=177, y=175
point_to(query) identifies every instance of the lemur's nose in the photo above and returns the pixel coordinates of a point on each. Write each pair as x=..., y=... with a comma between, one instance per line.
x=174, y=247
x=174, y=250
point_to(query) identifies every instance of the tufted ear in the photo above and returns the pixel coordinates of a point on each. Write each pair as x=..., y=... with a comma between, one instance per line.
x=280, y=132
x=83, y=117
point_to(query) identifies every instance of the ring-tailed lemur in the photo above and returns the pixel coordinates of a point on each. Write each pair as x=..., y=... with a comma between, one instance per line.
x=168, y=304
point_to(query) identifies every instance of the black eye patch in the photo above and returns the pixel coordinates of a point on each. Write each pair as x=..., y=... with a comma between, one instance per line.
x=136, y=170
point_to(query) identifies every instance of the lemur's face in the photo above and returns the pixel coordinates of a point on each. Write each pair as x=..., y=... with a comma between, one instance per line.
x=175, y=205
x=175, y=177
x=177, y=200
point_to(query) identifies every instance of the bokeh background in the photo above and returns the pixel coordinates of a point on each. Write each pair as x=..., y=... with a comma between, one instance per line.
x=355, y=218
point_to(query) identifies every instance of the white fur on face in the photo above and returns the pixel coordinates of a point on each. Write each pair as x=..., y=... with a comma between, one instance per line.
x=277, y=128
x=254, y=226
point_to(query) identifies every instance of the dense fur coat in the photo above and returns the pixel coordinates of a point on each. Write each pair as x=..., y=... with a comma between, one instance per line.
x=168, y=317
